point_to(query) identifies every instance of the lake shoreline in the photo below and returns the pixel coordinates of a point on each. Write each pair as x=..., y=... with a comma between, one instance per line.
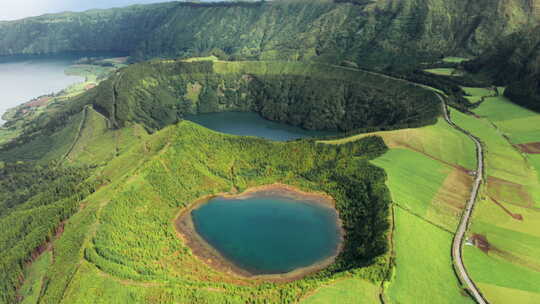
x=205, y=252
x=43, y=76
x=252, y=123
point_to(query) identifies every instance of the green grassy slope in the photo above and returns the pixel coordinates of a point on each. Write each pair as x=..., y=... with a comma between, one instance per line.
x=432, y=141
x=501, y=280
x=507, y=213
x=423, y=264
x=429, y=186
x=406, y=168
x=428, y=180
x=423, y=229
x=122, y=241
x=346, y=291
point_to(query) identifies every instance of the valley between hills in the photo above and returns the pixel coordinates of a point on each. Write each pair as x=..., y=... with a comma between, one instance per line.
x=419, y=129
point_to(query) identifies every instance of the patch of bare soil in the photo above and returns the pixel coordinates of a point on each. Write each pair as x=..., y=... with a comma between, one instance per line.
x=450, y=199
x=509, y=192
x=480, y=241
x=516, y=216
x=47, y=246
x=38, y=102
x=530, y=148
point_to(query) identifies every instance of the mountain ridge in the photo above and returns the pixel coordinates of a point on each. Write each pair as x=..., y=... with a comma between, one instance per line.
x=377, y=33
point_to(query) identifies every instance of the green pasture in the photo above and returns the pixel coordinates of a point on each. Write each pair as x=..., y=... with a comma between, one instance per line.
x=518, y=125
x=196, y=59
x=502, y=159
x=478, y=92
x=501, y=295
x=439, y=141
x=489, y=269
x=522, y=245
x=455, y=59
x=423, y=271
x=346, y=291
x=413, y=178
x=488, y=212
x=534, y=159
x=522, y=130
x=499, y=108
x=521, y=125
x=442, y=71
x=506, y=279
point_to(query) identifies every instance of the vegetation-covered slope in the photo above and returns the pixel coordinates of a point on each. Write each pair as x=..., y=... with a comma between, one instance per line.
x=526, y=92
x=515, y=61
x=513, y=58
x=34, y=200
x=124, y=232
x=313, y=96
x=382, y=32
x=159, y=93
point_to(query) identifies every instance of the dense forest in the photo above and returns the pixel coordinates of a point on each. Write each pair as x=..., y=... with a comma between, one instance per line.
x=526, y=92
x=34, y=200
x=368, y=33
x=312, y=96
x=515, y=57
x=514, y=62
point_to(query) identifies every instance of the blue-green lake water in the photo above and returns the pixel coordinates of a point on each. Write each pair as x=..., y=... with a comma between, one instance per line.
x=269, y=234
x=252, y=124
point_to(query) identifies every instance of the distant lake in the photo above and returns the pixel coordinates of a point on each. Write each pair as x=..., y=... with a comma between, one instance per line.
x=252, y=124
x=269, y=234
x=24, y=79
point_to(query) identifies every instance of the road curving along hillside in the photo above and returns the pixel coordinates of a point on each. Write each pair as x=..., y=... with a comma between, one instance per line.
x=459, y=237
x=457, y=245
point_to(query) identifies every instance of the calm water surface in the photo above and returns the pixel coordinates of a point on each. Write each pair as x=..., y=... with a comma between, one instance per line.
x=252, y=124
x=24, y=79
x=268, y=234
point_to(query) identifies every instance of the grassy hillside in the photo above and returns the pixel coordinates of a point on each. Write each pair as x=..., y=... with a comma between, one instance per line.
x=122, y=239
x=368, y=33
x=504, y=229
